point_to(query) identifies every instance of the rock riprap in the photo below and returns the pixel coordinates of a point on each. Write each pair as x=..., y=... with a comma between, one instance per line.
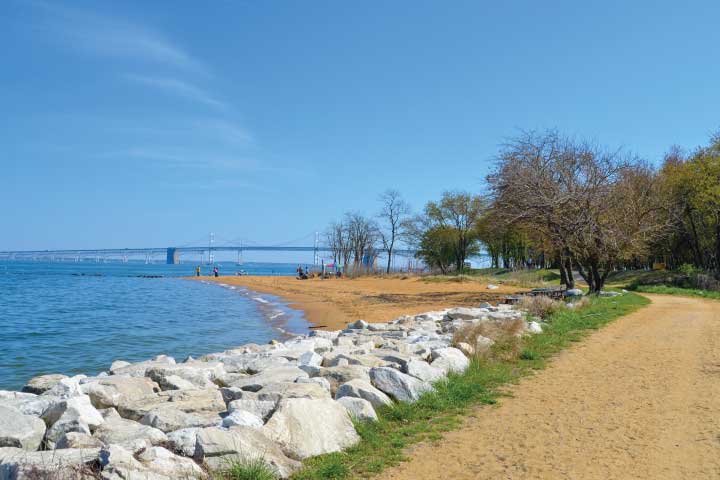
x=281, y=402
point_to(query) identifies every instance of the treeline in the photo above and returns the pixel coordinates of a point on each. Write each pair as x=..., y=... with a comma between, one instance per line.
x=555, y=201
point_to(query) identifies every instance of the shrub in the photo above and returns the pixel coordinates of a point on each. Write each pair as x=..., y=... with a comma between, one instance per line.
x=541, y=306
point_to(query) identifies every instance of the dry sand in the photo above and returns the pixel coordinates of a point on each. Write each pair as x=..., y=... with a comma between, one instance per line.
x=640, y=399
x=335, y=302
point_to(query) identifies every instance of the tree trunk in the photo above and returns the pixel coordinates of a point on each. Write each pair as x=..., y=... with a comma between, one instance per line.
x=563, y=272
x=568, y=268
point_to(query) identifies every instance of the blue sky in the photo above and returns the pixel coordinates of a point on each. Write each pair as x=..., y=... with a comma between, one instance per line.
x=142, y=123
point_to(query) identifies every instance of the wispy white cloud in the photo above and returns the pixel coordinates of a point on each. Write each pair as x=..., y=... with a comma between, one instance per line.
x=179, y=88
x=225, y=131
x=101, y=35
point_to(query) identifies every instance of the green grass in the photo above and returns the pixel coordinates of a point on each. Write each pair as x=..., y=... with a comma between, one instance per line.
x=687, y=292
x=384, y=442
x=255, y=469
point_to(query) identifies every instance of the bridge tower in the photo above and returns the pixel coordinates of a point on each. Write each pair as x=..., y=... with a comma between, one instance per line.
x=173, y=256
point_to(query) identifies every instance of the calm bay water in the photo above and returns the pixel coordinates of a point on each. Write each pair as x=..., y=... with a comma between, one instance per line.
x=79, y=317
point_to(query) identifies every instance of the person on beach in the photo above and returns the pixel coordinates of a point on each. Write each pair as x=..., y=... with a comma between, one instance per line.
x=215, y=271
x=197, y=271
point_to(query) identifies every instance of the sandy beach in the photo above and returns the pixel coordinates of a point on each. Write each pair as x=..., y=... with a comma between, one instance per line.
x=332, y=303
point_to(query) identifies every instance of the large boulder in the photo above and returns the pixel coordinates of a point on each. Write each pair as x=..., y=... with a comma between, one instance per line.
x=161, y=461
x=339, y=375
x=242, y=418
x=168, y=419
x=74, y=414
x=20, y=431
x=253, y=363
x=275, y=391
x=189, y=401
x=307, y=427
x=67, y=464
x=199, y=374
x=463, y=313
x=424, y=371
x=450, y=359
x=127, y=433
x=138, y=369
x=259, y=408
x=218, y=447
x=27, y=403
x=361, y=389
x=78, y=440
x=358, y=408
x=153, y=463
x=184, y=440
x=114, y=391
x=255, y=382
x=400, y=386
x=42, y=383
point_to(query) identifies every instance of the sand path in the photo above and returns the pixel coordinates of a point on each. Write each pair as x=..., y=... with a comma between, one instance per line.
x=640, y=399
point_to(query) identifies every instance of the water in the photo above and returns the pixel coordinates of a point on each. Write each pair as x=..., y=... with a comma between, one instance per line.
x=79, y=317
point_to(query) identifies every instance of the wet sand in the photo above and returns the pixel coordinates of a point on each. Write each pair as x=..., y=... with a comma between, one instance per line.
x=332, y=303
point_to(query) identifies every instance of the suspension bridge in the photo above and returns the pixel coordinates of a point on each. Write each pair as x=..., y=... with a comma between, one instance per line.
x=173, y=255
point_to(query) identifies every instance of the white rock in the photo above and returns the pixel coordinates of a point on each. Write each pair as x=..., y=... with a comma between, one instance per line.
x=450, y=359
x=163, y=462
x=398, y=385
x=78, y=440
x=310, y=358
x=242, y=418
x=127, y=433
x=19, y=430
x=534, y=327
x=358, y=408
x=362, y=389
x=114, y=391
x=168, y=419
x=266, y=377
x=492, y=287
x=318, y=380
x=424, y=371
x=307, y=427
x=259, y=408
x=184, y=440
x=574, y=292
x=483, y=344
x=218, y=447
x=66, y=387
x=467, y=349
x=42, y=383
x=55, y=464
x=276, y=391
x=74, y=414
x=464, y=313
x=359, y=324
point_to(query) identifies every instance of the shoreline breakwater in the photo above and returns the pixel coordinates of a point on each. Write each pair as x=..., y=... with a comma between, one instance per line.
x=280, y=402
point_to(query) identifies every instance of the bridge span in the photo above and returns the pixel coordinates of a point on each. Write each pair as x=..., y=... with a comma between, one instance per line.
x=172, y=254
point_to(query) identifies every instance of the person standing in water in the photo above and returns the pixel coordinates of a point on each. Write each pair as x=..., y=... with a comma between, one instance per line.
x=215, y=271
x=197, y=271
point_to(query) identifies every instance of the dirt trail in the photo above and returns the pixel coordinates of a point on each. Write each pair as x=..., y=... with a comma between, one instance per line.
x=639, y=399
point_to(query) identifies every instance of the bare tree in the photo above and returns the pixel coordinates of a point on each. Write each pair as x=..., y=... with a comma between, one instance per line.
x=393, y=213
x=595, y=207
x=362, y=235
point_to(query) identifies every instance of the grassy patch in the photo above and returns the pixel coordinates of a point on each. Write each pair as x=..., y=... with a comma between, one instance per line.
x=688, y=292
x=251, y=469
x=384, y=442
x=520, y=278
